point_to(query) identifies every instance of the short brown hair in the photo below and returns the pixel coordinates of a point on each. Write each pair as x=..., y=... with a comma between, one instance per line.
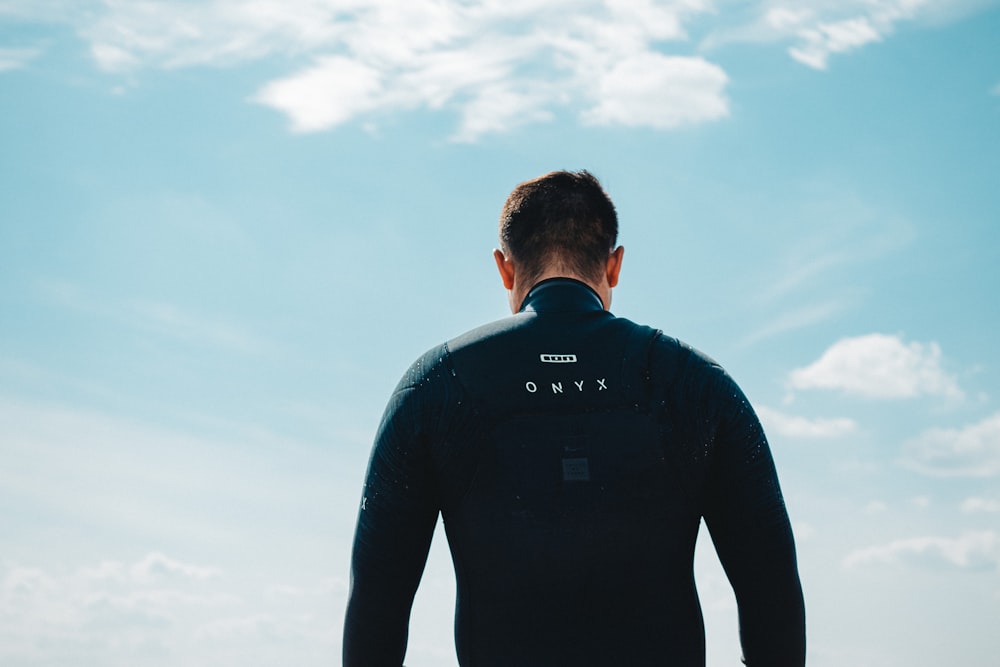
x=564, y=218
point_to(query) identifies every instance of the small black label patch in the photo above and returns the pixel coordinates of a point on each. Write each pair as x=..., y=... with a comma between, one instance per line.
x=558, y=358
x=576, y=470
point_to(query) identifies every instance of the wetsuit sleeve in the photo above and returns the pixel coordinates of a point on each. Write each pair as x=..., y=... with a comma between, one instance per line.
x=395, y=525
x=746, y=516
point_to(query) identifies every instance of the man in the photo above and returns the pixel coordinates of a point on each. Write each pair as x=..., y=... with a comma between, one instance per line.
x=572, y=455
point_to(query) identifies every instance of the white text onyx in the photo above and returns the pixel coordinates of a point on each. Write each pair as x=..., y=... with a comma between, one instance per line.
x=574, y=386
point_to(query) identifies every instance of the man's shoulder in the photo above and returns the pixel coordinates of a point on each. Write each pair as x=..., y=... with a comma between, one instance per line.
x=507, y=330
x=434, y=362
x=687, y=373
x=502, y=359
x=426, y=368
x=683, y=353
x=502, y=342
x=489, y=332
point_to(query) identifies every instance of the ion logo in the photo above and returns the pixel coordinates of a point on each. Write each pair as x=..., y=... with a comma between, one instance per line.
x=558, y=358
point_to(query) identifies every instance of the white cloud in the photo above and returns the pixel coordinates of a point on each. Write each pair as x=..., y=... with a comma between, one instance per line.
x=496, y=64
x=156, y=566
x=113, y=58
x=973, y=505
x=820, y=29
x=134, y=485
x=663, y=92
x=332, y=91
x=115, y=613
x=970, y=551
x=218, y=32
x=498, y=76
x=244, y=627
x=783, y=18
x=801, y=427
x=26, y=581
x=329, y=586
x=153, y=568
x=500, y=108
x=17, y=58
x=819, y=42
x=879, y=366
x=112, y=597
x=973, y=451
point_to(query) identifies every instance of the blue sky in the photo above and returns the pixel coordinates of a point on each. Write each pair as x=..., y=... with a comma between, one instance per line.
x=226, y=228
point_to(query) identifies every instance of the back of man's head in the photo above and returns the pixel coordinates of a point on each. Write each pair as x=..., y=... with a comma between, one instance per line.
x=562, y=221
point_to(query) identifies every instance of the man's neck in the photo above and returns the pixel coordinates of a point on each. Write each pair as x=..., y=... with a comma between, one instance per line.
x=518, y=294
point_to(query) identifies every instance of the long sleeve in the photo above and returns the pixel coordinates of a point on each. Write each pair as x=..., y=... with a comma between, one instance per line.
x=395, y=525
x=746, y=516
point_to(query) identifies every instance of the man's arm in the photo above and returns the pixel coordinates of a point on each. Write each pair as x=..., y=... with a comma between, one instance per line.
x=395, y=525
x=745, y=514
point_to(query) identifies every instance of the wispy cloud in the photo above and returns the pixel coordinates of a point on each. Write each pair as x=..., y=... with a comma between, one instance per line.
x=158, y=318
x=93, y=609
x=794, y=426
x=155, y=566
x=795, y=319
x=814, y=278
x=17, y=58
x=116, y=612
x=803, y=269
x=970, y=551
x=845, y=229
x=179, y=484
x=973, y=451
x=875, y=507
x=131, y=484
x=820, y=40
x=497, y=74
x=494, y=64
x=974, y=505
x=817, y=30
x=170, y=320
x=879, y=366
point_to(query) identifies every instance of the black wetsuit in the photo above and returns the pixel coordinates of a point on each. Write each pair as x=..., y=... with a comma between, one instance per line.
x=572, y=455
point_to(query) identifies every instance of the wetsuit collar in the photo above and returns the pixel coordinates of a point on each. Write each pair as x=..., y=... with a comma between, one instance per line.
x=561, y=295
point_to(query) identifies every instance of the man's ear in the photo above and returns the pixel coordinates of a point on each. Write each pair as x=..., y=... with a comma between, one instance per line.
x=505, y=267
x=614, y=266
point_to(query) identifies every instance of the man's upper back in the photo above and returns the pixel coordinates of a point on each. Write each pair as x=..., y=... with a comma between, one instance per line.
x=572, y=455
